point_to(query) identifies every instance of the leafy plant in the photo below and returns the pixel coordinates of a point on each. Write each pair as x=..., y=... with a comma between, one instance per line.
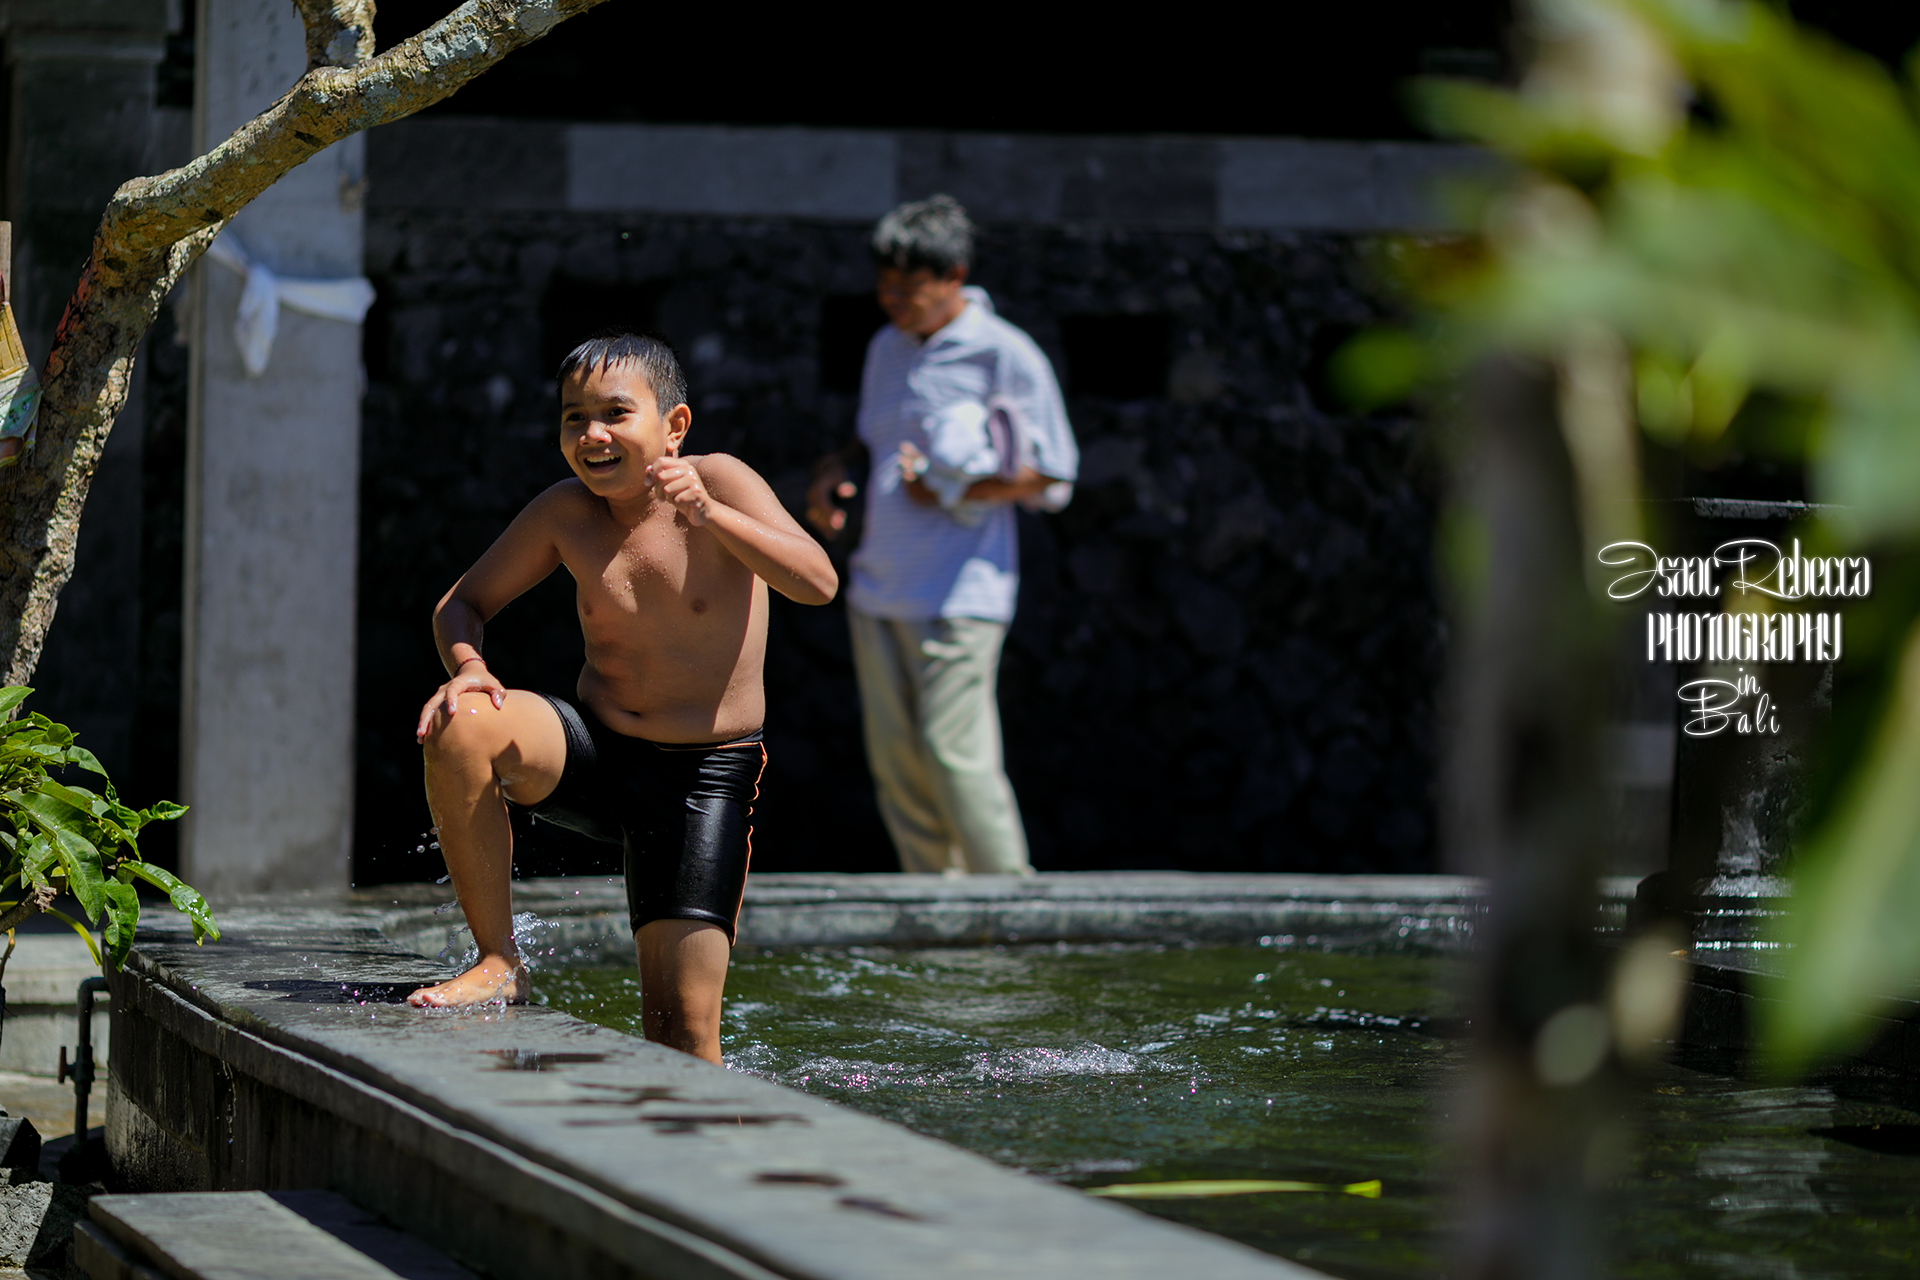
x=70, y=839
x=1710, y=226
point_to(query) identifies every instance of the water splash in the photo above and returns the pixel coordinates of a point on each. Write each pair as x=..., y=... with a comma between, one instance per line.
x=999, y=1067
x=532, y=937
x=1039, y=1063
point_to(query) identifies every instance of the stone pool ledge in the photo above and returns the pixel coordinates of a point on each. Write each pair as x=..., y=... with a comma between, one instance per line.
x=1725, y=995
x=524, y=1142
x=920, y=910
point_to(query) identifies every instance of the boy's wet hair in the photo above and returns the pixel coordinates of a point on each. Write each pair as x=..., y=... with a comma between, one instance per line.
x=623, y=346
x=935, y=233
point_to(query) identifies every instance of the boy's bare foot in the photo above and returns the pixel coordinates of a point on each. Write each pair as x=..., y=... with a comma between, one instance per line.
x=495, y=980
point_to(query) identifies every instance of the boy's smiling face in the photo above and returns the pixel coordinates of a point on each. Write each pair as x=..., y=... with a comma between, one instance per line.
x=612, y=430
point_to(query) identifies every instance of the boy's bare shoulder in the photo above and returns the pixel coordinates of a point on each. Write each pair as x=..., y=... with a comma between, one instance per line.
x=725, y=470
x=564, y=502
x=718, y=464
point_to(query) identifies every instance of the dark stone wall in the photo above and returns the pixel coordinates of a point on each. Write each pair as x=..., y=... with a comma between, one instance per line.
x=1227, y=647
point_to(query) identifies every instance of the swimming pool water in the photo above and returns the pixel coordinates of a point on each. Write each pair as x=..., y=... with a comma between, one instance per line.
x=1100, y=1064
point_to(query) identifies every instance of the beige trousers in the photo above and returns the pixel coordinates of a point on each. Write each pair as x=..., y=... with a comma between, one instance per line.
x=932, y=718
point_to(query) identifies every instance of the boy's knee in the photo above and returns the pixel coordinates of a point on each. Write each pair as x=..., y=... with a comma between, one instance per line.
x=473, y=729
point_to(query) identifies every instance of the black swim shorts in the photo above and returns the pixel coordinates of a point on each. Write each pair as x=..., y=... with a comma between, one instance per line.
x=682, y=814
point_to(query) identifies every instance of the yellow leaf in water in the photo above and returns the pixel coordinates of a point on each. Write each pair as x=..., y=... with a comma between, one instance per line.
x=1227, y=1187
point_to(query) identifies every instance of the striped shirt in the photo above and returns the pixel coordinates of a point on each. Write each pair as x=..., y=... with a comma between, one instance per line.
x=979, y=399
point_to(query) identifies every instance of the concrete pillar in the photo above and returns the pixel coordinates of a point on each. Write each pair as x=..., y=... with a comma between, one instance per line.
x=273, y=471
x=81, y=122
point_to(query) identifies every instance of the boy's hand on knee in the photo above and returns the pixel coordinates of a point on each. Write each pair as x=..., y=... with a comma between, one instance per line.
x=471, y=677
x=681, y=485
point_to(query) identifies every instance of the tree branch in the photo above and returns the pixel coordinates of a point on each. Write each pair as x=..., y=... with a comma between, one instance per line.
x=155, y=228
x=33, y=904
x=327, y=104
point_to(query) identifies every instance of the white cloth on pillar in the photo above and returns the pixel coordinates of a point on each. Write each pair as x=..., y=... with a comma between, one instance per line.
x=264, y=293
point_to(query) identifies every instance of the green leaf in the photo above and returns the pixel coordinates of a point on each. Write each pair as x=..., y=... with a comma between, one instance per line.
x=12, y=696
x=36, y=859
x=56, y=734
x=85, y=759
x=79, y=797
x=1227, y=1187
x=184, y=897
x=1849, y=938
x=86, y=881
x=51, y=811
x=103, y=828
x=65, y=837
x=128, y=820
x=20, y=735
x=37, y=854
x=83, y=842
x=123, y=915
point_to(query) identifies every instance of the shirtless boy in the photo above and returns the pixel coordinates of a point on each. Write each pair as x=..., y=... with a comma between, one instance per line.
x=672, y=557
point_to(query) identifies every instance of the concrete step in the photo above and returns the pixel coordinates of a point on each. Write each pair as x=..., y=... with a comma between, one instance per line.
x=248, y=1235
x=45, y=1102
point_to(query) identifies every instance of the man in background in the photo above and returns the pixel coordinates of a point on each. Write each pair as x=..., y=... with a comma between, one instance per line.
x=960, y=418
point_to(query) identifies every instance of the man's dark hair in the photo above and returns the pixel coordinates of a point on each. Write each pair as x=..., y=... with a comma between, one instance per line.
x=934, y=233
x=623, y=346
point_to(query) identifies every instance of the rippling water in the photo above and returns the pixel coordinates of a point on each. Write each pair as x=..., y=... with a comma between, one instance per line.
x=1099, y=1064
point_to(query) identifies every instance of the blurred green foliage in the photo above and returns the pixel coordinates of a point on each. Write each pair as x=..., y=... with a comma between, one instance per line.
x=1711, y=227
x=58, y=838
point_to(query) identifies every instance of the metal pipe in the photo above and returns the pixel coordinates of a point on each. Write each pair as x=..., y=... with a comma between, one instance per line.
x=81, y=1069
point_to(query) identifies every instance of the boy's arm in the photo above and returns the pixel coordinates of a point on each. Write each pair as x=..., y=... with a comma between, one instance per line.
x=518, y=560
x=728, y=497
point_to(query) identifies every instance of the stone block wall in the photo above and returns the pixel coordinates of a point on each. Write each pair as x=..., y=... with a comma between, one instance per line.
x=1227, y=647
